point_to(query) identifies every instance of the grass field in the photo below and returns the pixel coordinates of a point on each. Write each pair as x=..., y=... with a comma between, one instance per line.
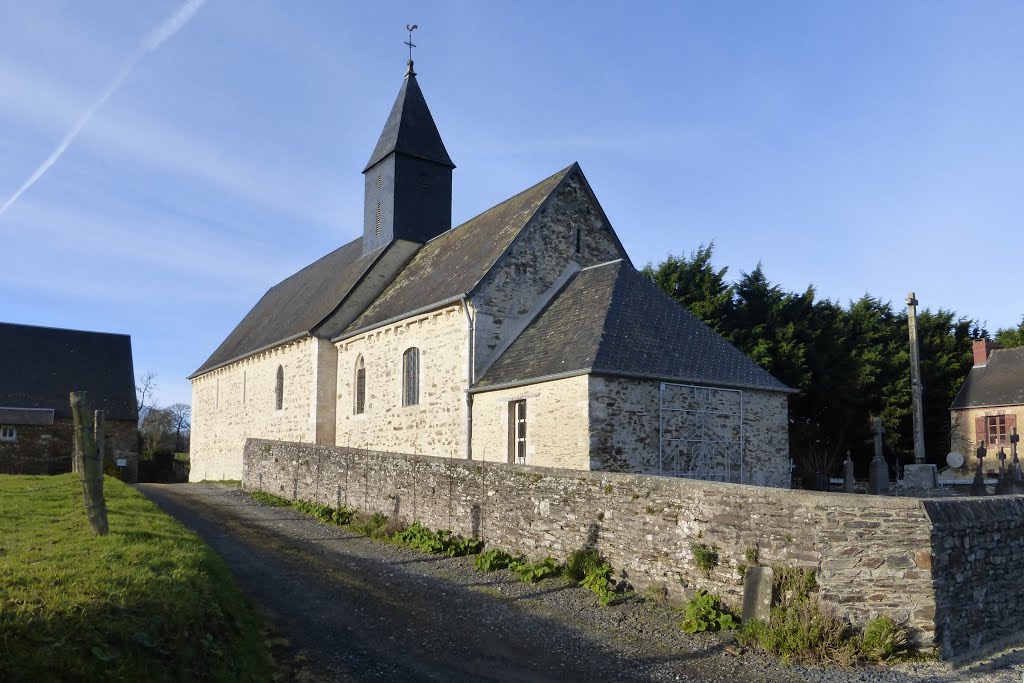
x=148, y=602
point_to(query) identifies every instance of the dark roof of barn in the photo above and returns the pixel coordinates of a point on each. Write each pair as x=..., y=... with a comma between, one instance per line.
x=41, y=366
x=295, y=305
x=1000, y=382
x=610, y=319
x=453, y=263
x=410, y=129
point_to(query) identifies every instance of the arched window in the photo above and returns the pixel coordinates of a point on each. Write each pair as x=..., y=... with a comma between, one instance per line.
x=279, y=389
x=359, y=397
x=411, y=377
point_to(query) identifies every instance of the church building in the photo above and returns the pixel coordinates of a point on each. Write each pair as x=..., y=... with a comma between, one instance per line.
x=524, y=335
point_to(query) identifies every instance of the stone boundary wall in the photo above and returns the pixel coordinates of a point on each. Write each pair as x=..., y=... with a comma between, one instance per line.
x=979, y=550
x=873, y=555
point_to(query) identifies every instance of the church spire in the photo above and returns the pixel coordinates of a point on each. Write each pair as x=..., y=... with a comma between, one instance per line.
x=410, y=128
x=409, y=176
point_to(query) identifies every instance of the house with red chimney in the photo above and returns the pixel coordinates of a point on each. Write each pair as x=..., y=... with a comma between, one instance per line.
x=990, y=402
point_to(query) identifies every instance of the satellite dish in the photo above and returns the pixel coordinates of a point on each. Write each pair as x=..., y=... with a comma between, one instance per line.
x=955, y=460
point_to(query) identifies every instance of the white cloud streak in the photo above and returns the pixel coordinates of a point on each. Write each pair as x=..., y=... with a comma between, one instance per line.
x=152, y=42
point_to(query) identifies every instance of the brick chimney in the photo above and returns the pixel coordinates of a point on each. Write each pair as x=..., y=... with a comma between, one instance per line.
x=982, y=349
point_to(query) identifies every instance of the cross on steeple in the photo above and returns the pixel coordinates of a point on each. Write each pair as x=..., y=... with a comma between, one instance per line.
x=410, y=28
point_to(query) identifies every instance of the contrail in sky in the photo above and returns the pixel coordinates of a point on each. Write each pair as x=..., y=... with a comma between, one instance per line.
x=162, y=34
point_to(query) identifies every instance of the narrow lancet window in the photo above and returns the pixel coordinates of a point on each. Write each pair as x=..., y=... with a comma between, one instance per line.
x=411, y=377
x=359, y=402
x=279, y=389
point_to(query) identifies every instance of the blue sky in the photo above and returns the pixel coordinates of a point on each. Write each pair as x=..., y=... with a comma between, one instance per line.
x=859, y=146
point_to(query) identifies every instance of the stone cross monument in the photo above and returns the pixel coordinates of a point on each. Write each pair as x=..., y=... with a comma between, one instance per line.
x=915, y=381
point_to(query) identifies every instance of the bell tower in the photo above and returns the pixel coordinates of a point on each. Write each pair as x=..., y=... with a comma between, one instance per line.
x=408, y=179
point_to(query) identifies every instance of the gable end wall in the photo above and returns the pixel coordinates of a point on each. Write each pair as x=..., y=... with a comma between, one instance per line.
x=536, y=261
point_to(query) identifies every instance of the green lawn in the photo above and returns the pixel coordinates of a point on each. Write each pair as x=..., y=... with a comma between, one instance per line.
x=148, y=602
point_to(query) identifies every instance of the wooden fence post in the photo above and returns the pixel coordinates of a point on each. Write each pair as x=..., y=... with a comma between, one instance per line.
x=90, y=460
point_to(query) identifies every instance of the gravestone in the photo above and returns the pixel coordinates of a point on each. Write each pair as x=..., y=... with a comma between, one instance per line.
x=1016, y=475
x=848, y=480
x=757, y=594
x=879, y=480
x=1003, y=485
x=978, y=485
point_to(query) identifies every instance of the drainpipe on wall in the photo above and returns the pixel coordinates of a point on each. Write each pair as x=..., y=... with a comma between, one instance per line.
x=470, y=343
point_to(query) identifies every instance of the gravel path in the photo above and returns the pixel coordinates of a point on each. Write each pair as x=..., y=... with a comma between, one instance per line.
x=352, y=609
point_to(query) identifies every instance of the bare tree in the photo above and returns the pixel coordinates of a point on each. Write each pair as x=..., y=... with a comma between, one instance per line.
x=181, y=415
x=157, y=427
x=145, y=389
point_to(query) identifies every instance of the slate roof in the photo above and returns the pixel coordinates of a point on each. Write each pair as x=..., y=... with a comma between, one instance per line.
x=41, y=366
x=1000, y=382
x=453, y=263
x=295, y=305
x=410, y=129
x=610, y=319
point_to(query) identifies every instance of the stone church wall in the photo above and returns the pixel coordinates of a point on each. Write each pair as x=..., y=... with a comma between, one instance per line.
x=509, y=295
x=556, y=423
x=625, y=418
x=939, y=565
x=437, y=425
x=233, y=403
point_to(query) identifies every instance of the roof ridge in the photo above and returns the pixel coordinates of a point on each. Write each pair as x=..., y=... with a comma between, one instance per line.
x=502, y=203
x=603, y=264
x=67, y=329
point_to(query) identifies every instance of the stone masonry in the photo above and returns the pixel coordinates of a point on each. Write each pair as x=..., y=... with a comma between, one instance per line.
x=940, y=566
x=237, y=401
x=437, y=425
x=557, y=424
x=963, y=438
x=47, y=449
x=528, y=274
x=625, y=416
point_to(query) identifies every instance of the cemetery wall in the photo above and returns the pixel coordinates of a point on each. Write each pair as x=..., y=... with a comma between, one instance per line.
x=873, y=555
x=978, y=547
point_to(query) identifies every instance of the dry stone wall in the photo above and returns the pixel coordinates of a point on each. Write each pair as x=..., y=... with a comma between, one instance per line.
x=945, y=568
x=979, y=548
x=624, y=427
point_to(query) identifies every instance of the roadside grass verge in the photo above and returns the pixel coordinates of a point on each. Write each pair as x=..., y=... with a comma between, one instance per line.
x=148, y=602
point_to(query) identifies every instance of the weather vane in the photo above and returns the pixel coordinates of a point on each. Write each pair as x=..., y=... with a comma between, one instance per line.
x=410, y=28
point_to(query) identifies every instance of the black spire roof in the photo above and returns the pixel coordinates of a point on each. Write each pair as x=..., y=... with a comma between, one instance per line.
x=410, y=128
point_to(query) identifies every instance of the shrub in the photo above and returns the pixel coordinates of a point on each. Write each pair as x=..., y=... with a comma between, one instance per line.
x=704, y=612
x=599, y=580
x=375, y=525
x=270, y=499
x=581, y=562
x=531, y=572
x=495, y=559
x=341, y=516
x=442, y=542
x=808, y=631
x=883, y=639
x=705, y=557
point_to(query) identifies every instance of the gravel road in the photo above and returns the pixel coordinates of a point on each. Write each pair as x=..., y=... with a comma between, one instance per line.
x=352, y=609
